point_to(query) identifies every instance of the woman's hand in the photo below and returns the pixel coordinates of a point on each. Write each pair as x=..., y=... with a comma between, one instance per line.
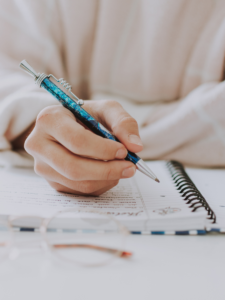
x=74, y=159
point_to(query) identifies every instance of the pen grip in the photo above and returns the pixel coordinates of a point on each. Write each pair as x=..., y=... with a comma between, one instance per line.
x=83, y=115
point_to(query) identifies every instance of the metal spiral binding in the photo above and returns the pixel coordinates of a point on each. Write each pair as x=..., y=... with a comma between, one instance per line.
x=187, y=188
x=68, y=87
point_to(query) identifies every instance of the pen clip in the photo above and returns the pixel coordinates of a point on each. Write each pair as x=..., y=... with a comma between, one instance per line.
x=68, y=87
x=40, y=77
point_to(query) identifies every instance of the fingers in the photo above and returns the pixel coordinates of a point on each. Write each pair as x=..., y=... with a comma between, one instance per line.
x=78, y=168
x=58, y=181
x=64, y=150
x=73, y=136
x=57, y=143
x=64, y=189
x=112, y=115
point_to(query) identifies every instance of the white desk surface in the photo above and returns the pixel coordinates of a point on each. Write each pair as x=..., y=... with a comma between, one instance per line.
x=163, y=267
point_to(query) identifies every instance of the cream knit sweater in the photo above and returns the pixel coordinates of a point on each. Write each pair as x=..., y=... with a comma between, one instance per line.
x=163, y=60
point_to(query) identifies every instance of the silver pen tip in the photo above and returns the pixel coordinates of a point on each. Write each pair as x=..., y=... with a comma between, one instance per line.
x=143, y=168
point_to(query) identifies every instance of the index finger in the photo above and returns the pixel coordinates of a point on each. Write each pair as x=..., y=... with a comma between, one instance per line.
x=112, y=115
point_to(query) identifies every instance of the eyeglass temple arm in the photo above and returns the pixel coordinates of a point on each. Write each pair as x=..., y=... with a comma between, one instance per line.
x=110, y=250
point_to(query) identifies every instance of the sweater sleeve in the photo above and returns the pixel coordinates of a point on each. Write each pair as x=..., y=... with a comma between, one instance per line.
x=193, y=132
x=25, y=33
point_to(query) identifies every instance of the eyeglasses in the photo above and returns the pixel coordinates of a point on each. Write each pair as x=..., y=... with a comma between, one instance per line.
x=84, y=237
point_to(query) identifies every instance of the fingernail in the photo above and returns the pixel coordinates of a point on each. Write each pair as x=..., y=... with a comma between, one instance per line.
x=129, y=172
x=121, y=153
x=134, y=139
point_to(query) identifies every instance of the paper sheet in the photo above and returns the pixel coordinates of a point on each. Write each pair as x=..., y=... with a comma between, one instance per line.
x=22, y=192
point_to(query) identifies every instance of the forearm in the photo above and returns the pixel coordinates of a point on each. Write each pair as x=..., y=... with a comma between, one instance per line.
x=20, y=99
x=193, y=133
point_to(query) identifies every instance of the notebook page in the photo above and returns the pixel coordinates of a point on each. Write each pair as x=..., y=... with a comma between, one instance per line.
x=161, y=200
x=22, y=192
x=211, y=184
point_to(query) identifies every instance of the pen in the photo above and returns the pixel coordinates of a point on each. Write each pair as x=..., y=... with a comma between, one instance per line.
x=73, y=103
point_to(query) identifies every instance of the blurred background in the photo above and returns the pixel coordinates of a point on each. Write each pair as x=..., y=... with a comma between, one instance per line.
x=163, y=60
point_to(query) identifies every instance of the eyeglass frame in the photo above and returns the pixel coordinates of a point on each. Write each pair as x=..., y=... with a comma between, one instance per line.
x=43, y=230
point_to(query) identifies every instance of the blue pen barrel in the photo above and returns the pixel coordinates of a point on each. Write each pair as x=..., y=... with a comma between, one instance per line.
x=82, y=115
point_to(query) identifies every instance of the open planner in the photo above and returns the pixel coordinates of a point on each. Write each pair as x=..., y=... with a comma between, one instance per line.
x=186, y=201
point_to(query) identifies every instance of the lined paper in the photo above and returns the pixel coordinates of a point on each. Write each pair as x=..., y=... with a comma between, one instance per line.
x=22, y=192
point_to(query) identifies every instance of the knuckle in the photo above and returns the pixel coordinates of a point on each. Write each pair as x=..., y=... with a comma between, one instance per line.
x=43, y=115
x=110, y=173
x=72, y=173
x=49, y=113
x=32, y=144
x=38, y=168
x=78, y=141
x=124, y=120
x=111, y=103
x=107, y=151
x=28, y=145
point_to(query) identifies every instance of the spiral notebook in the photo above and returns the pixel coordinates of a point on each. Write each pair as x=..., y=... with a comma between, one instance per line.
x=187, y=201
